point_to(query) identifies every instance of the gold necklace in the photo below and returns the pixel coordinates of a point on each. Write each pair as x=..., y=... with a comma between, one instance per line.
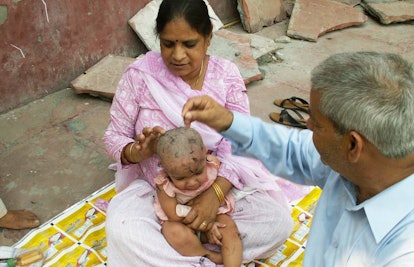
x=199, y=75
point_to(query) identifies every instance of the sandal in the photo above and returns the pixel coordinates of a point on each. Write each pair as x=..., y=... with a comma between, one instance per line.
x=293, y=103
x=286, y=119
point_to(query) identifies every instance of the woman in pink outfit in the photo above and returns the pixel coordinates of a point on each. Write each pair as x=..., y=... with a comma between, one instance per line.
x=152, y=92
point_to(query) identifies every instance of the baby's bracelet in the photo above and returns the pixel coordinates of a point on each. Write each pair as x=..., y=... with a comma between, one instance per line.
x=219, y=192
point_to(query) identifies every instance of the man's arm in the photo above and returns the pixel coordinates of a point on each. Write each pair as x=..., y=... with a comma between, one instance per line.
x=284, y=151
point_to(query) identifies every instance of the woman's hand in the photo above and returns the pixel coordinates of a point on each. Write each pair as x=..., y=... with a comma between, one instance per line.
x=147, y=141
x=205, y=206
x=203, y=211
x=145, y=145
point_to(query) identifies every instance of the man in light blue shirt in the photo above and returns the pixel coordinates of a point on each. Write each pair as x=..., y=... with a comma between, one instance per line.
x=359, y=150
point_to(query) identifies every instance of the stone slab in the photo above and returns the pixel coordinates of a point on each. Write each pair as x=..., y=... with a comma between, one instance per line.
x=311, y=19
x=259, y=42
x=381, y=1
x=144, y=22
x=290, y=3
x=236, y=48
x=102, y=79
x=289, y=6
x=349, y=2
x=391, y=12
x=256, y=14
x=262, y=45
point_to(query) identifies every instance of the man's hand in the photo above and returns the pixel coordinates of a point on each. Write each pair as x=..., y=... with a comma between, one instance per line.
x=206, y=110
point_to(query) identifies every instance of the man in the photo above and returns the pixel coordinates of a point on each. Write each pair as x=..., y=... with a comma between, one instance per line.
x=359, y=150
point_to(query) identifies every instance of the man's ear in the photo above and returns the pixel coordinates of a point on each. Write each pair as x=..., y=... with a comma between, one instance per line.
x=356, y=144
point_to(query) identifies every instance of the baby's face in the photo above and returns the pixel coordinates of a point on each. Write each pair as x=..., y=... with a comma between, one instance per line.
x=189, y=172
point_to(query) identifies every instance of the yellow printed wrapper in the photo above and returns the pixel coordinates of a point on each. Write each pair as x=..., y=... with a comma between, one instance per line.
x=50, y=240
x=285, y=252
x=308, y=203
x=77, y=237
x=79, y=222
x=96, y=240
x=76, y=256
x=100, y=201
x=291, y=253
x=302, y=225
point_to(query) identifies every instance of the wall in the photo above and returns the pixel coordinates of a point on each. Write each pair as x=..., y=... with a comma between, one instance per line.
x=46, y=44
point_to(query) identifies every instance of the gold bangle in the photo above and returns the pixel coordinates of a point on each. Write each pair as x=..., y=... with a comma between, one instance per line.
x=130, y=153
x=219, y=192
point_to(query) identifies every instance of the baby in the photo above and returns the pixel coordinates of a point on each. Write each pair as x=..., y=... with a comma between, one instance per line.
x=187, y=172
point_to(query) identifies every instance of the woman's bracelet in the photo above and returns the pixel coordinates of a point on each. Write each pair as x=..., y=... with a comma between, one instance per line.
x=129, y=158
x=219, y=192
x=131, y=146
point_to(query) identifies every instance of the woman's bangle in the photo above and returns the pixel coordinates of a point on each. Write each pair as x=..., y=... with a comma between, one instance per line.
x=219, y=192
x=129, y=157
x=127, y=153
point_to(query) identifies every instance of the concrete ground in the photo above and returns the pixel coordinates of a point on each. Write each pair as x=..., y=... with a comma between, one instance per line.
x=51, y=152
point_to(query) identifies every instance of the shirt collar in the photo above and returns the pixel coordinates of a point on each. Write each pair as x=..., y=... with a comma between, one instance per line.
x=386, y=209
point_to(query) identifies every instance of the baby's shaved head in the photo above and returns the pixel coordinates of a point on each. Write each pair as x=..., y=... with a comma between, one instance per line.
x=179, y=142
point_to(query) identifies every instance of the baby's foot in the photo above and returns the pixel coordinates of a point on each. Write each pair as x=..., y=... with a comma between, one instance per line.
x=19, y=219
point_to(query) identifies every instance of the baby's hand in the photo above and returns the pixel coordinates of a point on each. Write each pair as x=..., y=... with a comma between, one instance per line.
x=214, y=236
x=182, y=210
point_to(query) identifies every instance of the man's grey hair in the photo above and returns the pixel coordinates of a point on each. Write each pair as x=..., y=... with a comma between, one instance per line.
x=371, y=93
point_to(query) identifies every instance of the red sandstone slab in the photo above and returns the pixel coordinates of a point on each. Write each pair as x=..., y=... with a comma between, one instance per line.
x=290, y=3
x=311, y=19
x=256, y=14
x=391, y=12
x=102, y=78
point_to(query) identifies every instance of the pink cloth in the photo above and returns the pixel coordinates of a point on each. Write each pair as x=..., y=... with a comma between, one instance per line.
x=148, y=94
x=183, y=196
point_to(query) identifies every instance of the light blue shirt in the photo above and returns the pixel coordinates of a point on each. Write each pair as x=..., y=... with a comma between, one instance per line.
x=377, y=232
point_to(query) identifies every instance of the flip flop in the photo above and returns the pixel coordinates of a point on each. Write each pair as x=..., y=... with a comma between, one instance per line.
x=286, y=119
x=293, y=103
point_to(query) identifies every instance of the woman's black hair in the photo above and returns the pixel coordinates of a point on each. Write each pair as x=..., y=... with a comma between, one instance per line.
x=195, y=12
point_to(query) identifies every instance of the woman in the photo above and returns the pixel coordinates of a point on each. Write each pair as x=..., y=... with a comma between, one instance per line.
x=151, y=93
